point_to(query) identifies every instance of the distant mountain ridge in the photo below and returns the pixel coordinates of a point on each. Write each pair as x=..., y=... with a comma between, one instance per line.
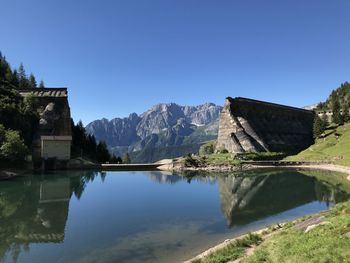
x=167, y=128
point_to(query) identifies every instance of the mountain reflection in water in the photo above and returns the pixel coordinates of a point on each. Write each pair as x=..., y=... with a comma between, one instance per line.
x=34, y=209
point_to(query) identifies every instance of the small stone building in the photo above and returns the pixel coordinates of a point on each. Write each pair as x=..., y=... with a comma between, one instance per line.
x=53, y=136
x=248, y=125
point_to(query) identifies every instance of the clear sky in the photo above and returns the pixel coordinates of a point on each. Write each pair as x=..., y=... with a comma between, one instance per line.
x=118, y=57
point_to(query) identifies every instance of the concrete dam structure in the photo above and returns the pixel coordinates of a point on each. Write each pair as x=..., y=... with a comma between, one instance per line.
x=248, y=125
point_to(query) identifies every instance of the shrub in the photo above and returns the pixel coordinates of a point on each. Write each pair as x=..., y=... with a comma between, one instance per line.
x=191, y=162
x=13, y=148
x=207, y=148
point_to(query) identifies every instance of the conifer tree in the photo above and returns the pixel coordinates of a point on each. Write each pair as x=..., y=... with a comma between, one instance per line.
x=318, y=127
x=13, y=78
x=32, y=82
x=337, y=116
x=41, y=84
x=22, y=78
x=102, y=152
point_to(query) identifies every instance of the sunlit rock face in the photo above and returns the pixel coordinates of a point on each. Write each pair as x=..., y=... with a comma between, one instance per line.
x=159, y=132
x=254, y=126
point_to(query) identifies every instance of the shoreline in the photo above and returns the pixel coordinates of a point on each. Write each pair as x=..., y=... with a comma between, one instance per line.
x=223, y=244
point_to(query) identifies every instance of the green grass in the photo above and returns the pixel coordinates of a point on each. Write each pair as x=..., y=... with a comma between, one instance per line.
x=326, y=243
x=333, y=147
x=221, y=159
x=233, y=251
x=261, y=156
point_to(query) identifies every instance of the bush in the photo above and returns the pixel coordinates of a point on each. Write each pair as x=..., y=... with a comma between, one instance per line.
x=191, y=162
x=224, y=151
x=13, y=148
x=207, y=148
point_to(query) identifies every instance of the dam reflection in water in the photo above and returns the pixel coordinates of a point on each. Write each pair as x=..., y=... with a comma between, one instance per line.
x=142, y=220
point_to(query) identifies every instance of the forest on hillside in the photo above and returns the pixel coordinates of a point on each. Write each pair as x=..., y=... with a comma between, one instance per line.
x=19, y=118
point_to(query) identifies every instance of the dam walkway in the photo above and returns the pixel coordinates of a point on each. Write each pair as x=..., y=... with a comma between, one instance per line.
x=131, y=167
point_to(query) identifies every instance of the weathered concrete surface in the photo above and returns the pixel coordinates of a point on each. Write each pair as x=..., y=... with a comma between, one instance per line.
x=54, y=112
x=254, y=126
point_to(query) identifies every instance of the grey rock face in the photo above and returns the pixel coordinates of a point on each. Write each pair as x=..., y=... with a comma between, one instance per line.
x=117, y=132
x=161, y=126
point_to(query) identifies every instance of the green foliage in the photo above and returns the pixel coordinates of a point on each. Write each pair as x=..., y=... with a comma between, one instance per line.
x=2, y=134
x=319, y=126
x=116, y=160
x=12, y=147
x=22, y=78
x=221, y=159
x=223, y=151
x=337, y=116
x=102, y=153
x=32, y=81
x=332, y=147
x=85, y=145
x=339, y=103
x=17, y=113
x=325, y=243
x=232, y=251
x=207, y=148
x=41, y=85
x=126, y=158
x=260, y=156
x=191, y=162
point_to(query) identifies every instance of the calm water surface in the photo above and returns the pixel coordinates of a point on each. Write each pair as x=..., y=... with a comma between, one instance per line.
x=146, y=216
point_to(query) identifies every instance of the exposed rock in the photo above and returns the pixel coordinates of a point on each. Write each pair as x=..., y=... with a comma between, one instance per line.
x=309, y=222
x=157, y=129
x=309, y=228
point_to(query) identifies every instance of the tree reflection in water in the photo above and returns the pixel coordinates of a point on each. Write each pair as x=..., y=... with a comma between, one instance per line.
x=34, y=209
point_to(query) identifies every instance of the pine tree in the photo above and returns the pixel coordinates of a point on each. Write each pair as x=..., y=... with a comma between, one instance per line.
x=318, y=127
x=22, y=78
x=114, y=159
x=13, y=78
x=337, y=117
x=346, y=111
x=4, y=67
x=32, y=82
x=102, y=152
x=41, y=85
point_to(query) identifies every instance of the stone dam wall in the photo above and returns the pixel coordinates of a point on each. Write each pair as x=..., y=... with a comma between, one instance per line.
x=248, y=125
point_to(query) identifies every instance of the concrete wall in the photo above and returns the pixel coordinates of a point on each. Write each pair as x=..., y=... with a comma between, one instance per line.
x=255, y=126
x=53, y=148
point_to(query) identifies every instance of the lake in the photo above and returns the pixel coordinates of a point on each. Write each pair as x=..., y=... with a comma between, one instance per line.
x=86, y=216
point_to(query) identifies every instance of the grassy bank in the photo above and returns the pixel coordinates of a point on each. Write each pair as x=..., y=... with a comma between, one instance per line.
x=328, y=242
x=232, y=251
x=333, y=146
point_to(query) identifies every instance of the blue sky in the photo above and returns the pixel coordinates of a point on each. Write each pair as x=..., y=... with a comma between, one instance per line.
x=118, y=57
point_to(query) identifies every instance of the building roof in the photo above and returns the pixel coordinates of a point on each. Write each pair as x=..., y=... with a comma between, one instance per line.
x=45, y=92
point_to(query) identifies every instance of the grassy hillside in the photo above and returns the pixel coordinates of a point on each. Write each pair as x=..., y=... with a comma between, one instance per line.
x=333, y=146
x=326, y=243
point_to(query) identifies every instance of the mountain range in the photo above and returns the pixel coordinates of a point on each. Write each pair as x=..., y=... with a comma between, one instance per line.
x=164, y=131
